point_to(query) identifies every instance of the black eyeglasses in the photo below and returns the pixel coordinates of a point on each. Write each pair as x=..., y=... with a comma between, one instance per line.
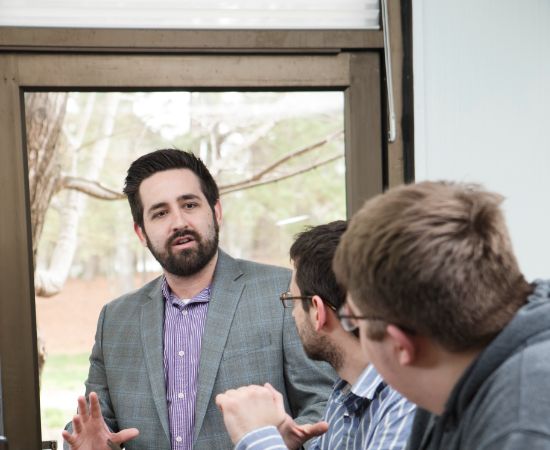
x=288, y=300
x=349, y=321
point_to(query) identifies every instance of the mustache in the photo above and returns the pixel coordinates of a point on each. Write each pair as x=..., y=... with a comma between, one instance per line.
x=184, y=233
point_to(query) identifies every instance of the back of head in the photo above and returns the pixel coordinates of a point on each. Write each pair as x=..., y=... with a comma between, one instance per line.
x=161, y=160
x=312, y=253
x=435, y=257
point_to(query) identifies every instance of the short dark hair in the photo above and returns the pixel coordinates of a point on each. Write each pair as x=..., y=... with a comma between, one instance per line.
x=312, y=253
x=158, y=161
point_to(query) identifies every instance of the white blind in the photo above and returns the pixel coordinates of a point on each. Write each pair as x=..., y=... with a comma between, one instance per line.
x=194, y=14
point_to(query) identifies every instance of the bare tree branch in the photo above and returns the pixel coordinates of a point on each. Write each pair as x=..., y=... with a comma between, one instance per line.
x=258, y=176
x=90, y=187
x=242, y=186
x=98, y=190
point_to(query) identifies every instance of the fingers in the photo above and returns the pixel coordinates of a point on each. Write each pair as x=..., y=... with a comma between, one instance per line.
x=232, y=395
x=124, y=435
x=314, y=429
x=247, y=396
x=222, y=399
x=95, y=409
x=248, y=408
x=83, y=408
x=77, y=424
x=68, y=437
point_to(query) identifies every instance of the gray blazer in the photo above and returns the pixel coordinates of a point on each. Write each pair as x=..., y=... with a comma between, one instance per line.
x=249, y=338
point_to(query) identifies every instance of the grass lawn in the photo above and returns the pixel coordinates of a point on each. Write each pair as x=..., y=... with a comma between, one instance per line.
x=62, y=382
x=65, y=372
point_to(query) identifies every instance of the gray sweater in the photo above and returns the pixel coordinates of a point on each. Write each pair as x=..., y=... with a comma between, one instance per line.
x=502, y=402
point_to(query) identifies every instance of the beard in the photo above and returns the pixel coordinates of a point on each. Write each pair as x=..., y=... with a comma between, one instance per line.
x=189, y=261
x=318, y=347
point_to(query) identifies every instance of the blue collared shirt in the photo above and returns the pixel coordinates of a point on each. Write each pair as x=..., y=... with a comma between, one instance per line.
x=370, y=415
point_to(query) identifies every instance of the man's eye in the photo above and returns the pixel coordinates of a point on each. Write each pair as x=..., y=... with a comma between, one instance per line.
x=159, y=214
x=190, y=205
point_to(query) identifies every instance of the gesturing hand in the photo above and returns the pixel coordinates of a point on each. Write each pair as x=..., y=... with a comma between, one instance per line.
x=249, y=408
x=90, y=432
x=293, y=434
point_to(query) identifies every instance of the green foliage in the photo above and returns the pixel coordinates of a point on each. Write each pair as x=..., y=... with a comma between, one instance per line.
x=65, y=372
x=55, y=418
x=62, y=383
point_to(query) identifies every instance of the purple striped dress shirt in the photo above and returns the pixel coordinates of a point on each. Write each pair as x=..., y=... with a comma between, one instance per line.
x=184, y=322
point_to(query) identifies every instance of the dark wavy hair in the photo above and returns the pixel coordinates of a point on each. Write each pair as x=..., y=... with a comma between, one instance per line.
x=158, y=161
x=312, y=253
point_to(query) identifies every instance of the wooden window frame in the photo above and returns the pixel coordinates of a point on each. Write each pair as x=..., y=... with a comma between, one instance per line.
x=113, y=60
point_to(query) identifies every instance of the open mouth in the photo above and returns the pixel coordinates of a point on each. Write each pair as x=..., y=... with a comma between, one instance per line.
x=182, y=241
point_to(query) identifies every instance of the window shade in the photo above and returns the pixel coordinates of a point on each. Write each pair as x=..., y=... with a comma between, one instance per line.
x=186, y=14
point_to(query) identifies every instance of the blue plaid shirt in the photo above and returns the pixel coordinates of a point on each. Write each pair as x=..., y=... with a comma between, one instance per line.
x=370, y=415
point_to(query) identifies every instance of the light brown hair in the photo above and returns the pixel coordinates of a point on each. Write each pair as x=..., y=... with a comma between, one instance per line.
x=435, y=257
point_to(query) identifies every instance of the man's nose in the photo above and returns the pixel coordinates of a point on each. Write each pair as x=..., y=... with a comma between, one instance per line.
x=179, y=220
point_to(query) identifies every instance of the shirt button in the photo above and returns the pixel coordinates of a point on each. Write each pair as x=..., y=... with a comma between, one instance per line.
x=180, y=395
x=179, y=439
x=184, y=312
x=181, y=353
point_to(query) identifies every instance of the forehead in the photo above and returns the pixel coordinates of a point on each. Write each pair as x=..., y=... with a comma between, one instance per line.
x=168, y=185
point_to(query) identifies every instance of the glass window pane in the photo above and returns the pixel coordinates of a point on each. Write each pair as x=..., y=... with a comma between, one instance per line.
x=278, y=158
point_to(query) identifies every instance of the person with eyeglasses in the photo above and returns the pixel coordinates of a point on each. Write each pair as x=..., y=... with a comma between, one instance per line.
x=363, y=412
x=459, y=330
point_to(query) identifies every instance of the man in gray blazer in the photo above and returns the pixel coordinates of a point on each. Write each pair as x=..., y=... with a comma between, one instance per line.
x=209, y=324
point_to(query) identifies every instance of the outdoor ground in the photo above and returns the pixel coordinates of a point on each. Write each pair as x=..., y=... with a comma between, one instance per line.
x=67, y=321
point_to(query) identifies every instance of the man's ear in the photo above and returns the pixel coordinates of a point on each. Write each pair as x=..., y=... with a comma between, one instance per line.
x=218, y=212
x=140, y=234
x=403, y=346
x=319, y=311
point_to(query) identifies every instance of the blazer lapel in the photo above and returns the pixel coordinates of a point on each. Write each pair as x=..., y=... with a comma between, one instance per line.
x=226, y=292
x=152, y=318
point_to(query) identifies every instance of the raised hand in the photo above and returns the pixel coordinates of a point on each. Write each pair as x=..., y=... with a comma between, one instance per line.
x=90, y=432
x=293, y=434
x=249, y=408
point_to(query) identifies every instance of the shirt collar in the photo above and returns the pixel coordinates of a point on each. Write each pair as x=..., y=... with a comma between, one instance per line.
x=368, y=383
x=202, y=297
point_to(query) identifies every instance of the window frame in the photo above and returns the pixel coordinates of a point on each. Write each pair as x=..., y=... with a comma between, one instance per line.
x=90, y=59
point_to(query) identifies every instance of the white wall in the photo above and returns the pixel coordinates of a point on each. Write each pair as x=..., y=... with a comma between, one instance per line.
x=482, y=95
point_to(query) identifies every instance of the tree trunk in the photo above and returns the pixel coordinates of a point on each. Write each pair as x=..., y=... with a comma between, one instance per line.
x=51, y=281
x=44, y=114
